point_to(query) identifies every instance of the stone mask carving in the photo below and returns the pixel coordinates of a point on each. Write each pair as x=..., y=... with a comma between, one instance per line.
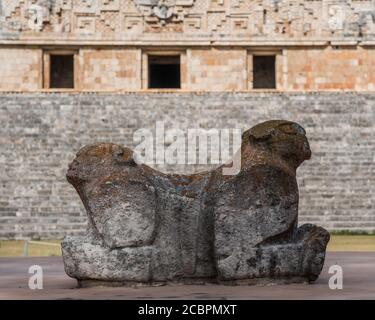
x=162, y=9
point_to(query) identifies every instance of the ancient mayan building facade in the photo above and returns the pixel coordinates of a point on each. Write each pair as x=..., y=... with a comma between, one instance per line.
x=111, y=42
x=77, y=71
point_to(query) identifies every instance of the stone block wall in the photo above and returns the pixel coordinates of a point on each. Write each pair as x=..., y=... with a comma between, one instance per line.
x=110, y=69
x=41, y=132
x=202, y=69
x=338, y=68
x=20, y=69
x=217, y=69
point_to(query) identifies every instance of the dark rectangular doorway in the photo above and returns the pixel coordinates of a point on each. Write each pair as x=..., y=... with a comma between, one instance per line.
x=264, y=73
x=61, y=71
x=164, y=72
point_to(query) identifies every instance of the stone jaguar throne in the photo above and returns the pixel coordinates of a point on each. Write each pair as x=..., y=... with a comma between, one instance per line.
x=148, y=227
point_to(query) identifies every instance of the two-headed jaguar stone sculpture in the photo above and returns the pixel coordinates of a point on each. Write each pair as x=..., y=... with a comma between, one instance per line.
x=149, y=227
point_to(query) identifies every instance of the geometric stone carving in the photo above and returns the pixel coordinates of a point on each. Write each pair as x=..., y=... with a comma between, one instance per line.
x=192, y=23
x=217, y=21
x=109, y=5
x=240, y=23
x=86, y=6
x=295, y=19
x=279, y=20
x=133, y=24
x=85, y=24
x=108, y=22
x=217, y=5
x=148, y=227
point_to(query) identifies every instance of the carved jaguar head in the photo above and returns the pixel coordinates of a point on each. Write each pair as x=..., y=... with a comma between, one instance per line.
x=98, y=160
x=282, y=138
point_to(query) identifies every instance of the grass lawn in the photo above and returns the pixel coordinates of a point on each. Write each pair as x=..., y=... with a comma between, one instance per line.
x=351, y=243
x=15, y=248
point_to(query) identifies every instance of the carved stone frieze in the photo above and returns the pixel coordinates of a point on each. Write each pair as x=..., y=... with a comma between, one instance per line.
x=105, y=19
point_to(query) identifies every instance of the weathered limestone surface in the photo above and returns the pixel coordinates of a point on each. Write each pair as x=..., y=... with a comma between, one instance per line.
x=147, y=226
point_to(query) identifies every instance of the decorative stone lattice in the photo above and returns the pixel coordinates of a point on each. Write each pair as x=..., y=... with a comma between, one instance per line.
x=149, y=227
x=266, y=18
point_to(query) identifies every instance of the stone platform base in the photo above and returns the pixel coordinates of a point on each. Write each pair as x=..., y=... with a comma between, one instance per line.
x=244, y=282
